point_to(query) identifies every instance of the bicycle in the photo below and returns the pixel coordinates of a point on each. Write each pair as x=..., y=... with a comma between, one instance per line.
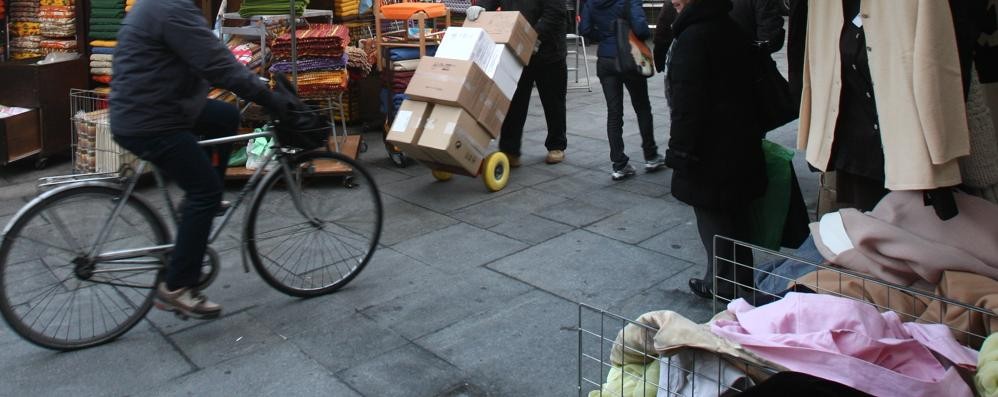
x=89, y=286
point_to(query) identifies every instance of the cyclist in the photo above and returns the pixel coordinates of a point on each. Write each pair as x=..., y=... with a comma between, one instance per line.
x=165, y=60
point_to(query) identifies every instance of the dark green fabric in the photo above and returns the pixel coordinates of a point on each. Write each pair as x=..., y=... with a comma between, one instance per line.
x=106, y=21
x=107, y=4
x=769, y=212
x=104, y=13
x=113, y=29
x=103, y=35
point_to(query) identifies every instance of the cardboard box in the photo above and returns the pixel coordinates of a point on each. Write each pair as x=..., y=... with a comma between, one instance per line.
x=407, y=128
x=20, y=136
x=494, y=111
x=468, y=44
x=505, y=70
x=450, y=82
x=452, y=136
x=510, y=28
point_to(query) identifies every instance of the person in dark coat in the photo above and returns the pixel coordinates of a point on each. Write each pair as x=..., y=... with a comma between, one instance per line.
x=598, y=18
x=715, y=146
x=548, y=68
x=663, y=35
x=762, y=20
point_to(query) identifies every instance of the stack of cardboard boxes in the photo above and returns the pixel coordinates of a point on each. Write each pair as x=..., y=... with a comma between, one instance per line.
x=459, y=98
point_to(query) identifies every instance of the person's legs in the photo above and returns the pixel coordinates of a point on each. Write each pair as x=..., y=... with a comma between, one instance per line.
x=511, y=137
x=638, y=89
x=613, y=92
x=217, y=120
x=733, y=265
x=552, y=85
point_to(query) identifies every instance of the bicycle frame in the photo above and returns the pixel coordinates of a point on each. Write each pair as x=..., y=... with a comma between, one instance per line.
x=122, y=256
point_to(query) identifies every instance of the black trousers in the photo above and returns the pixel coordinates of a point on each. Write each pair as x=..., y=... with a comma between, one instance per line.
x=734, y=265
x=199, y=172
x=613, y=90
x=552, y=85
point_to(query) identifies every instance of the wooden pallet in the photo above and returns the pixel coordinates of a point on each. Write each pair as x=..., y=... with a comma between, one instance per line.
x=349, y=146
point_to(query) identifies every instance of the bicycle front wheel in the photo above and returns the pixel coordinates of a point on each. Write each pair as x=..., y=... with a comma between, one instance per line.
x=50, y=292
x=308, y=235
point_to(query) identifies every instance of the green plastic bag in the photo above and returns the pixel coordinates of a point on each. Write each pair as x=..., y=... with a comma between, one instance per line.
x=238, y=158
x=769, y=212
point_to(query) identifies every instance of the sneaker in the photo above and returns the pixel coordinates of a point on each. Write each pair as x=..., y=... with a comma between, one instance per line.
x=555, y=157
x=514, y=161
x=186, y=302
x=655, y=163
x=626, y=171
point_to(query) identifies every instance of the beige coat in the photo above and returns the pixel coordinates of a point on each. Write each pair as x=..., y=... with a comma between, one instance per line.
x=917, y=87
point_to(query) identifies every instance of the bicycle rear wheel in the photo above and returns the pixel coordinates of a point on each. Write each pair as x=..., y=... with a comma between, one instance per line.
x=51, y=294
x=320, y=245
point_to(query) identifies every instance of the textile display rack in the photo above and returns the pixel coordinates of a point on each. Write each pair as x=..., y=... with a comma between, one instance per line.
x=687, y=370
x=4, y=32
x=333, y=104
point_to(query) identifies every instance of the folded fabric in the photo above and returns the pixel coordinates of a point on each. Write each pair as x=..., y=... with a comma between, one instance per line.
x=56, y=2
x=104, y=43
x=58, y=44
x=632, y=380
x=107, y=4
x=850, y=342
x=986, y=378
x=405, y=66
x=694, y=372
x=251, y=8
x=99, y=65
x=106, y=13
x=25, y=28
x=102, y=35
x=100, y=71
x=311, y=64
x=402, y=54
x=105, y=21
x=101, y=57
x=105, y=28
x=102, y=50
x=101, y=79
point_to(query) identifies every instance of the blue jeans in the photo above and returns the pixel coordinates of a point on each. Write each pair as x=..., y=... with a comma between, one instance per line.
x=774, y=277
x=179, y=157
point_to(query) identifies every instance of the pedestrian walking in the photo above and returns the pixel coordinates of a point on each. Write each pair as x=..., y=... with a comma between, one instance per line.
x=548, y=69
x=598, y=19
x=715, y=145
x=762, y=20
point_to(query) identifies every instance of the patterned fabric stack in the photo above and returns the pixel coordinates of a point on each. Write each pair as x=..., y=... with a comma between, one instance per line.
x=25, y=29
x=105, y=21
x=58, y=26
x=321, y=60
x=251, y=8
x=247, y=53
x=358, y=67
x=346, y=10
x=3, y=30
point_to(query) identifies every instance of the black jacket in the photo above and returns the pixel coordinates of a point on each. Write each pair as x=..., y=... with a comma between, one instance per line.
x=548, y=17
x=164, y=61
x=762, y=19
x=599, y=23
x=663, y=35
x=714, y=146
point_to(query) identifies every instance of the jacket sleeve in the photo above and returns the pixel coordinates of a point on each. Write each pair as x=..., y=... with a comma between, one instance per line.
x=769, y=24
x=639, y=23
x=586, y=25
x=663, y=35
x=689, y=73
x=186, y=33
x=552, y=16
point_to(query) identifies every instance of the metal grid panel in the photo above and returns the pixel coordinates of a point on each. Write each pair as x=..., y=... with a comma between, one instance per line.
x=598, y=329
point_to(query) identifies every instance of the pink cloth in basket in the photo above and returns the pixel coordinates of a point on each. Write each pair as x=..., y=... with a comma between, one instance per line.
x=850, y=342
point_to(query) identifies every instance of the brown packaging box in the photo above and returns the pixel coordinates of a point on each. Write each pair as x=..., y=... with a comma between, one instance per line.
x=450, y=82
x=510, y=28
x=451, y=136
x=494, y=111
x=407, y=128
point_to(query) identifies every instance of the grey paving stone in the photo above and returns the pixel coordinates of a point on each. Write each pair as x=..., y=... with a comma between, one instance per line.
x=526, y=349
x=585, y=267
x=533, y=175
x=10, y=206
x=640, y=223
x=531, y=229
x=133, y=362
x=224, y=339
x=403, y=221
x=338, y=341
x=578, y=185
x=517, y=204
x=459, y=192
x=641, y=185
x=451, y=299
x=390, y=274
x=671, y=294
x=682, y=241
x=615, y=199
x=277, y=370
x=459, y=247
x=574, y=213
x=406, y=371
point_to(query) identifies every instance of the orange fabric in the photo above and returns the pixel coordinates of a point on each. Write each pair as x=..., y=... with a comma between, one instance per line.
x=407, y=10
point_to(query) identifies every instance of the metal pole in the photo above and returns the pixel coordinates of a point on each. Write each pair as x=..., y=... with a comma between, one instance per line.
x=294, y=45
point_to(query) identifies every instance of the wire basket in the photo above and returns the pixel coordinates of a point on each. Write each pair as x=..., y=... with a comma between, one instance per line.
x=690, y=370
x=94, y=148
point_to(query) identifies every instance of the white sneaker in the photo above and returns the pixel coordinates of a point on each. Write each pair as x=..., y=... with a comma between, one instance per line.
x=655, y=163
x=622, y=173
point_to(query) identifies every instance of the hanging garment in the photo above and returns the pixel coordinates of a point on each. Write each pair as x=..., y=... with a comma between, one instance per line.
x=849, y=342
x=980, y=169
x=902, y=240
x=914, y=65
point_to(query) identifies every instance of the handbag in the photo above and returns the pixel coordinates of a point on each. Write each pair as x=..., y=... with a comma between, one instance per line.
x=769, y=212
x=633, y=56
x=774, y=106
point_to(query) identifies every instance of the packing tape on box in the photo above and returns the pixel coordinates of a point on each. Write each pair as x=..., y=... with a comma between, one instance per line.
x=401, y=122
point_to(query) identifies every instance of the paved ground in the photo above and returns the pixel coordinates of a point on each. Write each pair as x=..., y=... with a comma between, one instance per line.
x=471, y=294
